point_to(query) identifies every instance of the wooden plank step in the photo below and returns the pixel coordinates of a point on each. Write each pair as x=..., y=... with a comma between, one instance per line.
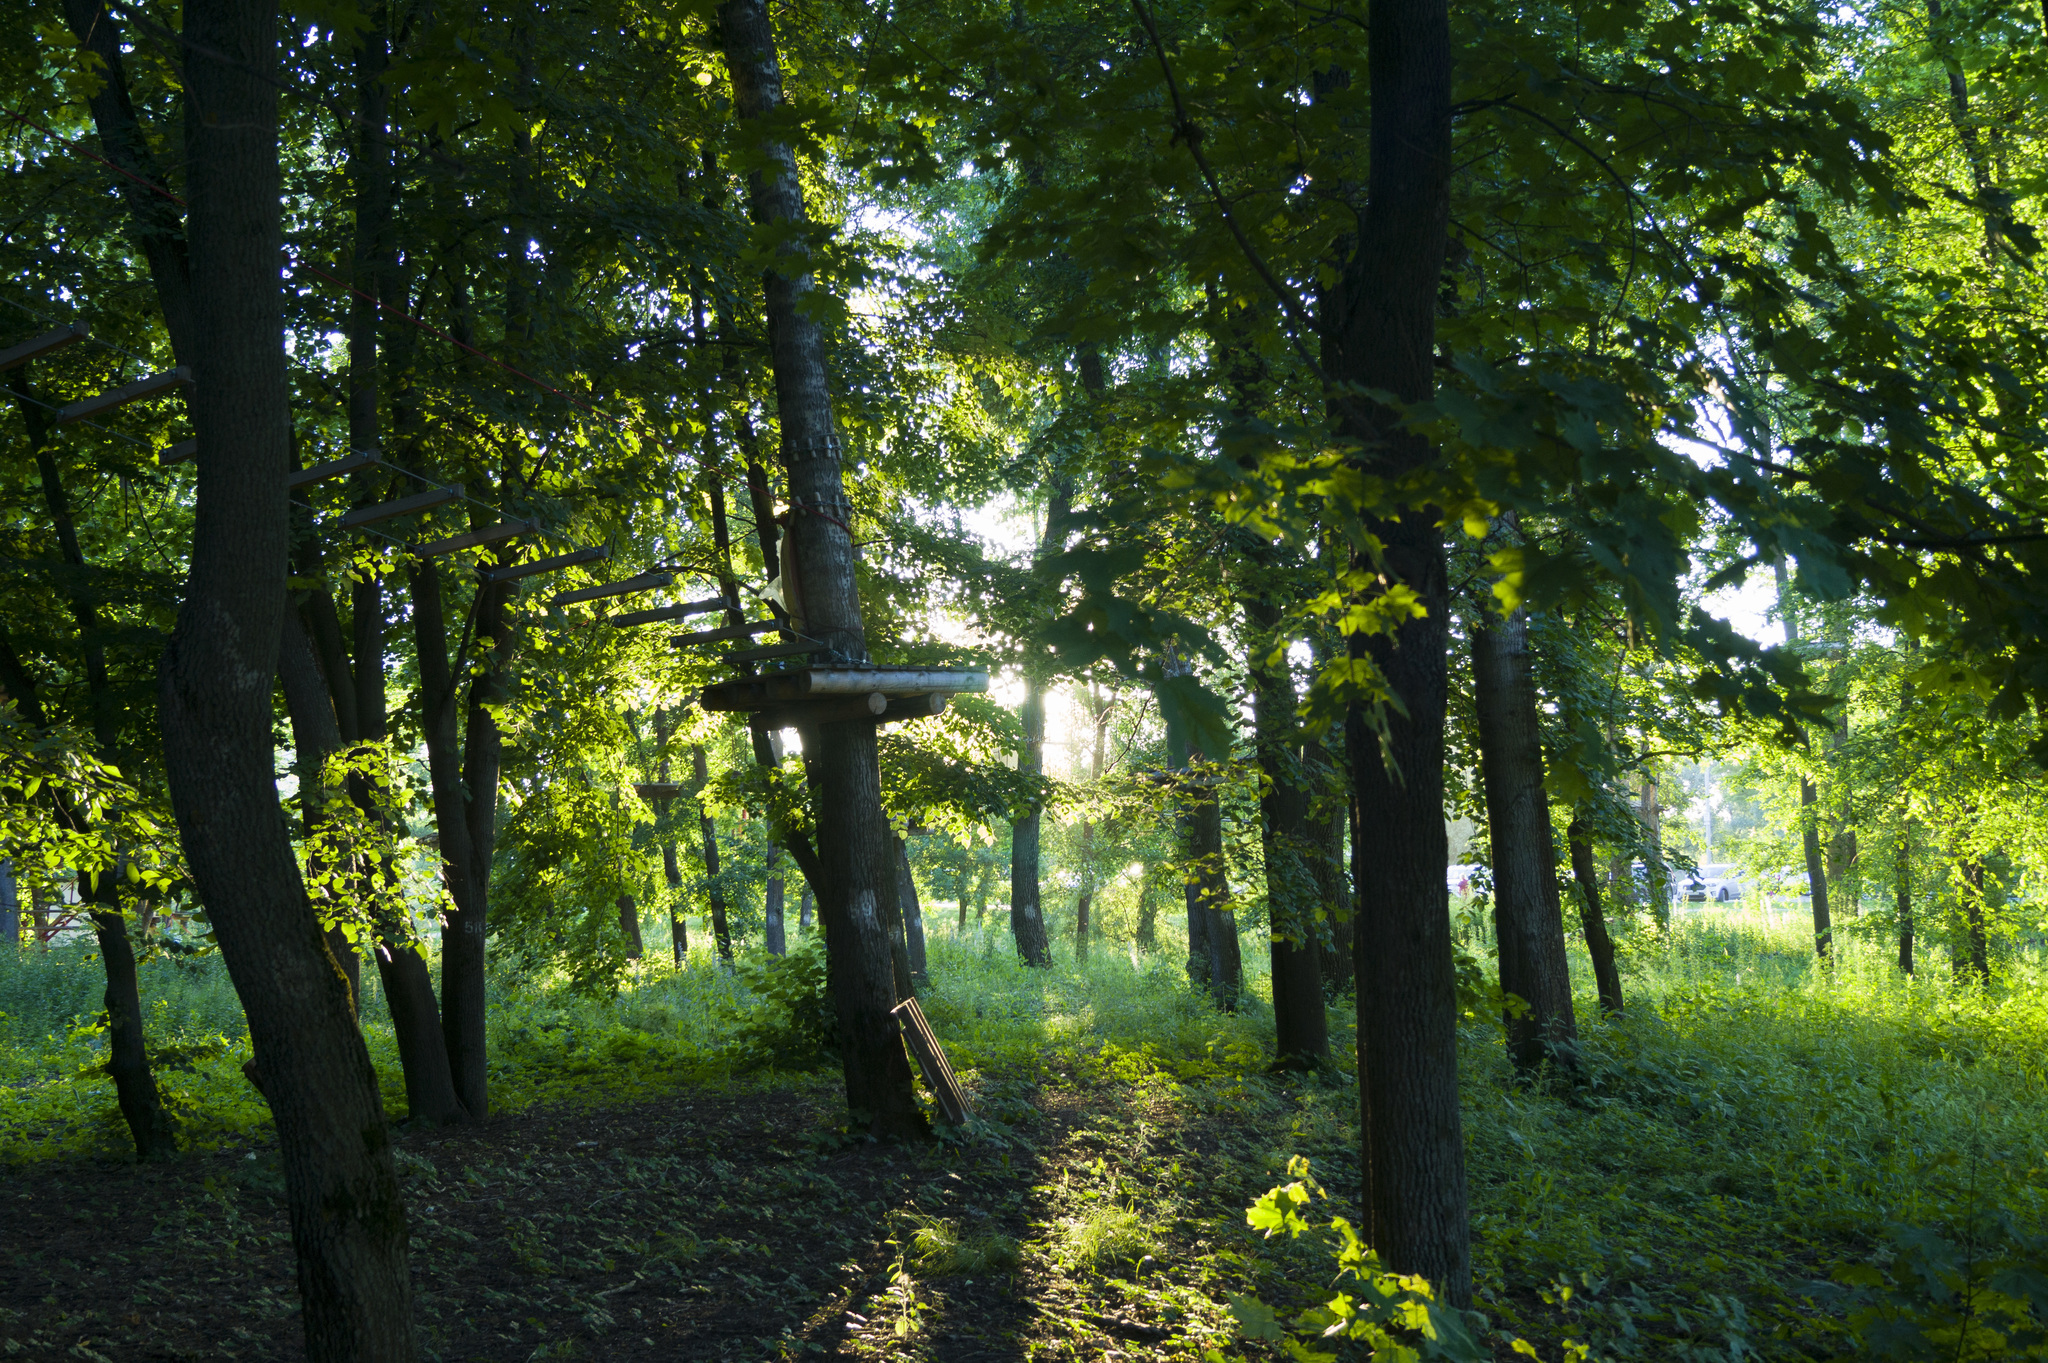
x=646, y=582
x=17, y=355
x=931, y=1062
x=725, y=636
x=661, y=613
x=755, y=655
x=404, y=506
x=178, y=453
x=122, y=396
x=490, y=534
x=333, y=468
x=544, y=565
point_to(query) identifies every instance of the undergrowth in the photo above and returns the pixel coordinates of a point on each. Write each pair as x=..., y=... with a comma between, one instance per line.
x=1763, y=1158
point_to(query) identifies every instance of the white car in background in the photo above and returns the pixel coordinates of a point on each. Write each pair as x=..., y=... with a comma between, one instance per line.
x=1715, y=884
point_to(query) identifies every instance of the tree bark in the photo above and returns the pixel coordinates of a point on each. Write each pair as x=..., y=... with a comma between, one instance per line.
x=10, y=909
x=341, y=1189
x=771, y=905
x=1324, y=831
x=316, y=737
x=1301, y=1029
x=805, y=902
x=149, y=1121
x=1657, y=883
x=1902, y=887
x=629, y=927
x=840, y=759
x=1809, y=813
x=913, y=916
x=1027, y=913
x=463, y=772
x=1978, y=961
x=152, y=217
x=721, y=929
x=1600, y=946
x=1215, y=963
x=678, y=926
x=1084, y=903
x=1381, y=335
x=1528, y=920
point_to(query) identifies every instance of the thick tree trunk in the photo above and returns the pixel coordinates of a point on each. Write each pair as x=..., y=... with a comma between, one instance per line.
x=1215, y=962
x=845, y=778
x=1027, y=913
x=805, y=903
x=463, y=770
x=629, y=927
x=1301, y=1030
x=771, y=906
x=1606, y=977
x=1324, y=832
x=10, y=909
x=913, y=916
x=341, y=1189
x=149, y=1122
x=1147, y=935
x=1381, y=335
x=1528, y=920
x=316, y=737
x=1977, y=964
x=721, y=929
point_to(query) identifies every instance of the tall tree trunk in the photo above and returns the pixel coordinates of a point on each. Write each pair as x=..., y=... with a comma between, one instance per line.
x=678, y=925
x=772, y=933
x=852, y=853
x=1214, y=956
x=1978, y=962
x=629, y=927
x=463, y=771
x=1528, y=920
x=1809, y=813
x=10, y=909
x=149, y=1121
x=721, y=928
x=1085, y=902
x=1657, y=882
x=1027, y=913
x=913, y=916
x=1325, y=834
x=1902, y=886
x=1301, y=1028
x=805, y=901
x=1147, y=935
x=316, y=737
x=1381, y=335
x=1600, y=946
x=341, y=1188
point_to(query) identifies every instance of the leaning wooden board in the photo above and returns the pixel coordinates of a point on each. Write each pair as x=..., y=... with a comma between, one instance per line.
x=938, y=1075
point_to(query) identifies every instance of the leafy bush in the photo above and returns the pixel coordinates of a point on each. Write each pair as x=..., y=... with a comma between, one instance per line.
x=1979, y=1292
x=1395, y=1315
x=790, y=1024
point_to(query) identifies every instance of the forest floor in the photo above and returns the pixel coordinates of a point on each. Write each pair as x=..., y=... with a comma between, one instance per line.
x=1761, y=1160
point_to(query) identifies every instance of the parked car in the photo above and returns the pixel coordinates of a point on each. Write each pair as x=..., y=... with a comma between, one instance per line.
x=1716, y=884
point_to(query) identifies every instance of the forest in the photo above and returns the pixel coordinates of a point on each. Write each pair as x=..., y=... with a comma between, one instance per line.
x=1209, y=680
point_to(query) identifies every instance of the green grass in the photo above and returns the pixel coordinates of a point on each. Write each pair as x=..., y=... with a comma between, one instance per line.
x=1754, y=1128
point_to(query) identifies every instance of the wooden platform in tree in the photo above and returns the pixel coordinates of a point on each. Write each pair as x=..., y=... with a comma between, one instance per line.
x=774, y=690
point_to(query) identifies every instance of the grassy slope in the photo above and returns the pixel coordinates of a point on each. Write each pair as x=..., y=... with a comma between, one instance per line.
x=1750, y=1125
